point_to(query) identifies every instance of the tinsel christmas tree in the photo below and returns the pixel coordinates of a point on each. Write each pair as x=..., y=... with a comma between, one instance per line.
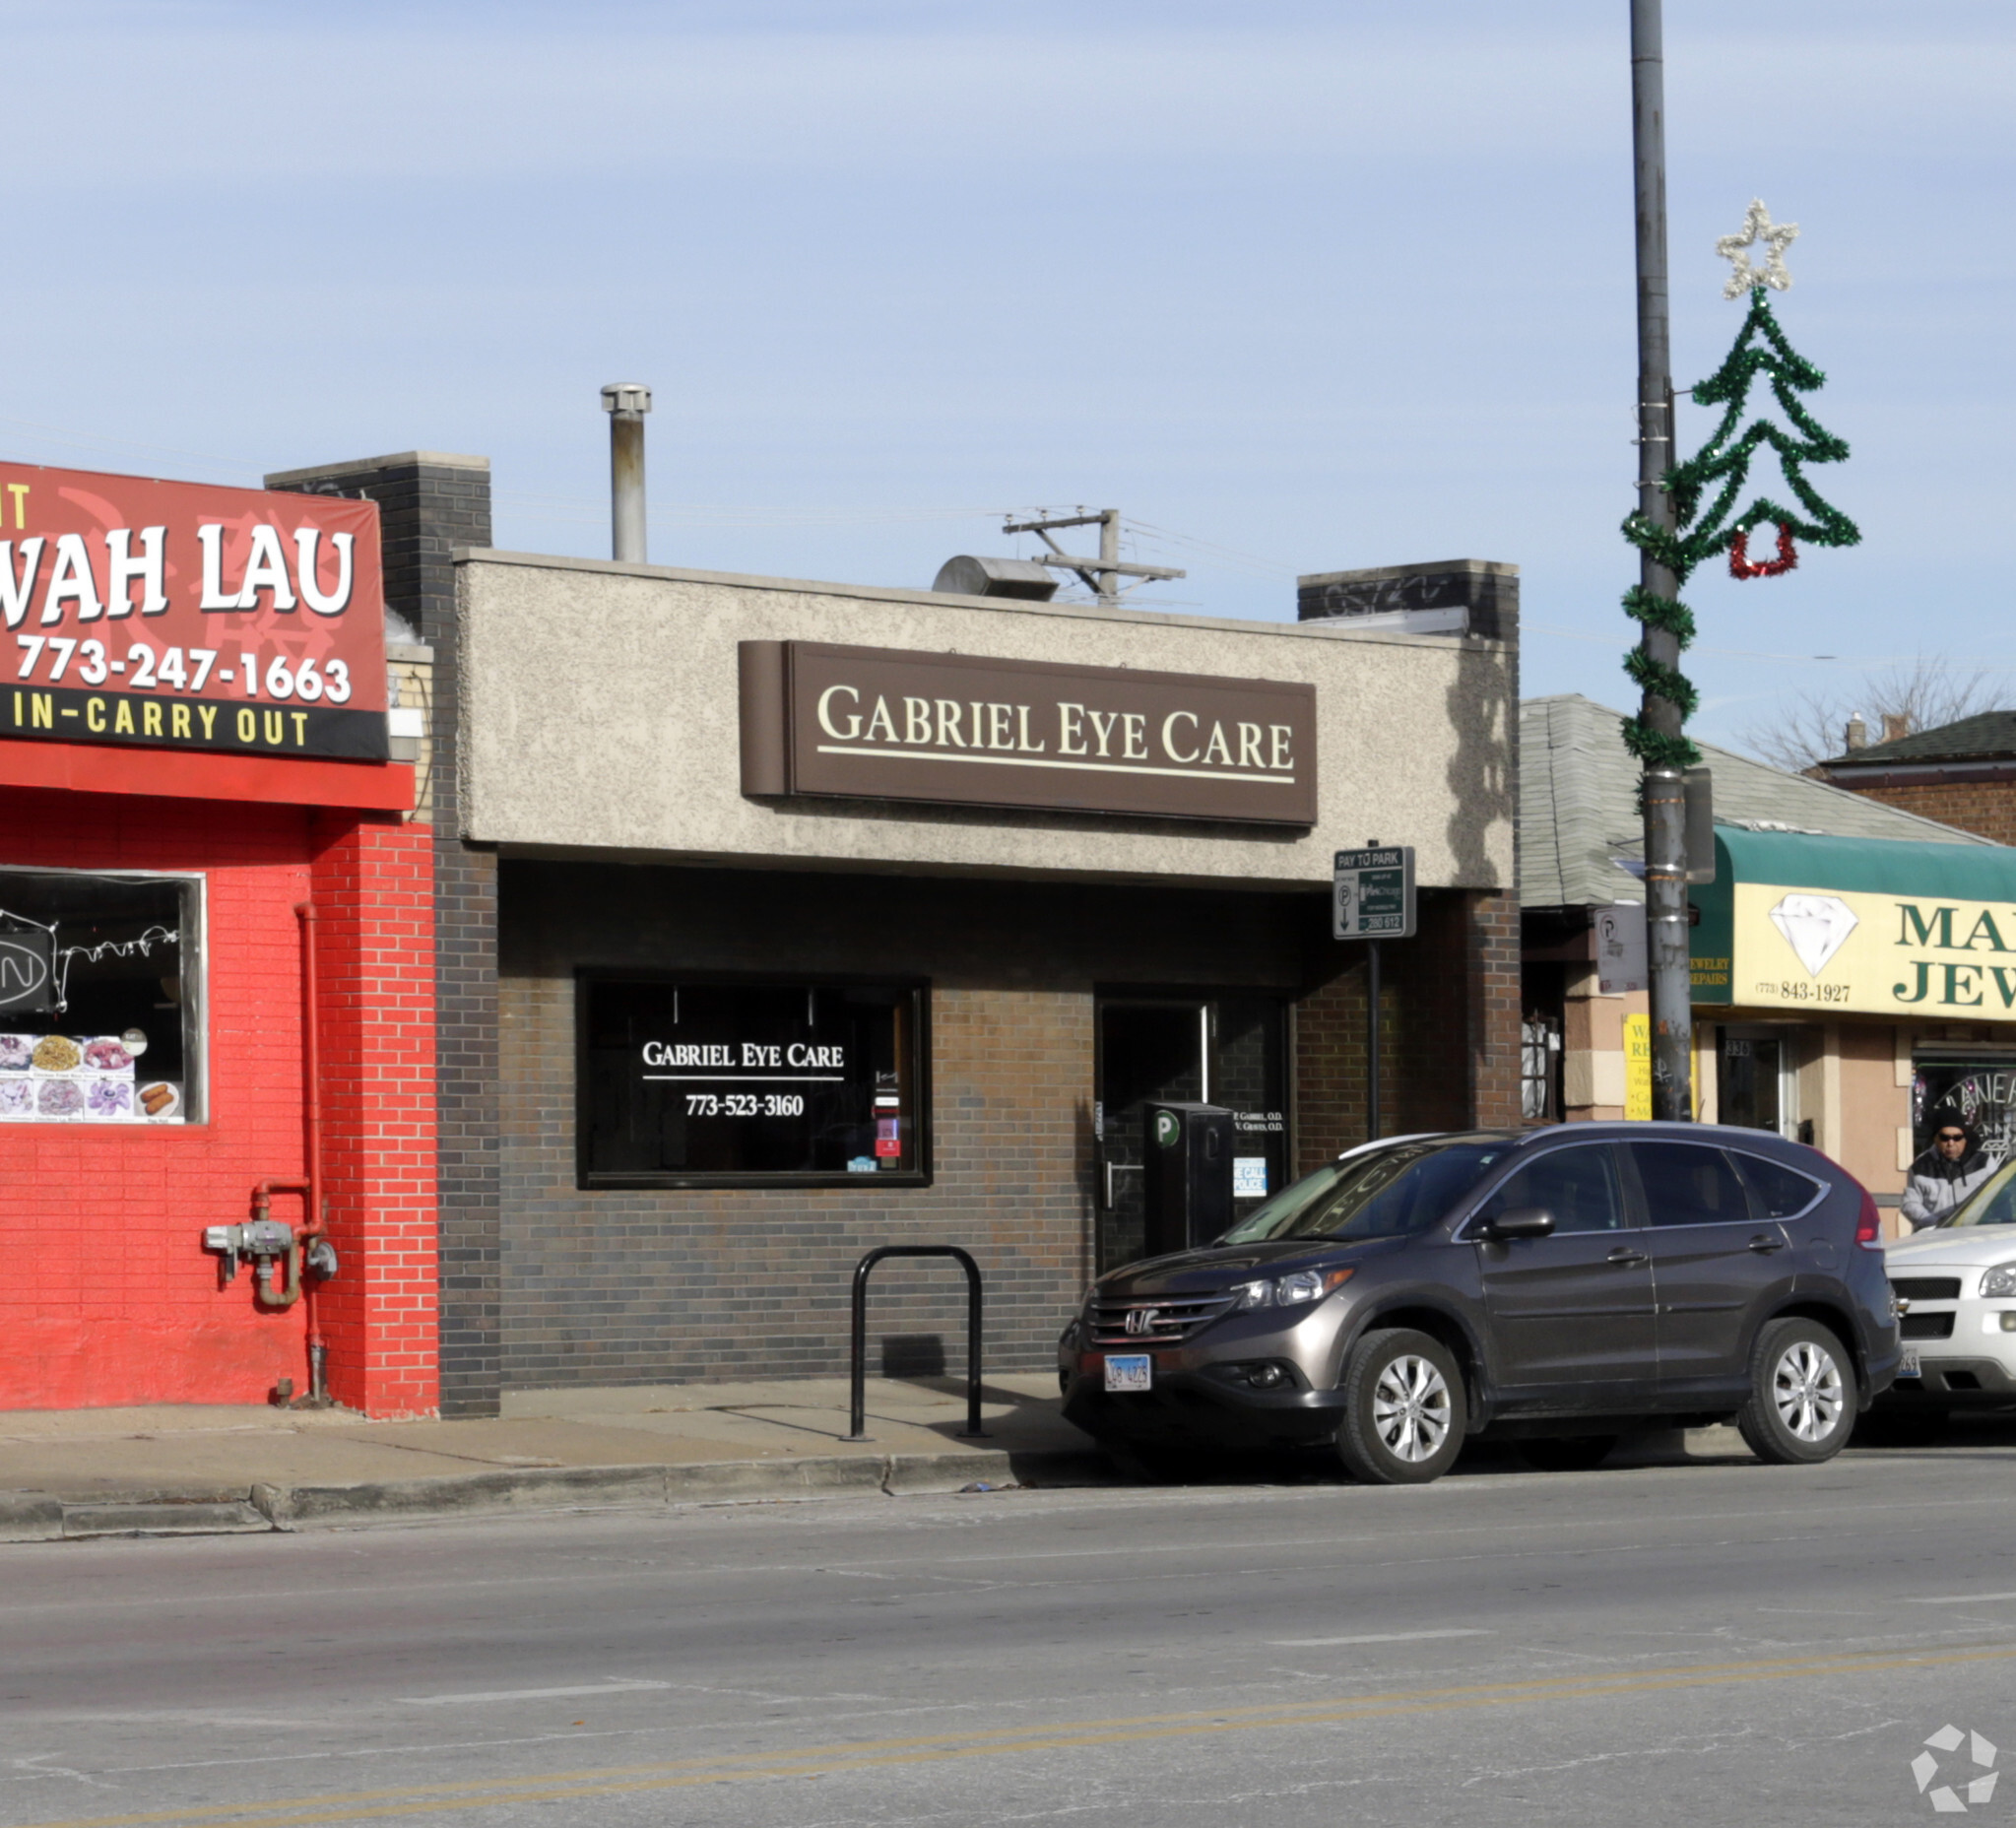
x=1723, y=464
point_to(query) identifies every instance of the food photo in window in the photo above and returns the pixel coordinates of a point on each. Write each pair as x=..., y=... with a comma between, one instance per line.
x=98, y=1024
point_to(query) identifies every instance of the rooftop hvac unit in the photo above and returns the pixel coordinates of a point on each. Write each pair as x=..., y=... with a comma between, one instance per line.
x=967, y=577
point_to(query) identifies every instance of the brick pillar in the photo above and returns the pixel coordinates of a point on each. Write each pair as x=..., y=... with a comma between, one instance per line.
x=1449, y=1010
x=373, y=891
x=430, y=503
x=1493, y=1003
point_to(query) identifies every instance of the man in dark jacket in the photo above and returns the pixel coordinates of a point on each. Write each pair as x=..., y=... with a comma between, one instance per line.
x=1945, y=1174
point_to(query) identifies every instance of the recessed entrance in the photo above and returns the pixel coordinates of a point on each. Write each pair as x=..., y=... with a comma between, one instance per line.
x=1229, y=1051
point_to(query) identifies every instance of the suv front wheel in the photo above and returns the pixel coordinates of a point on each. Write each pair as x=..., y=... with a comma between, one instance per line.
x=1404, y=1409
x=1802, y=1395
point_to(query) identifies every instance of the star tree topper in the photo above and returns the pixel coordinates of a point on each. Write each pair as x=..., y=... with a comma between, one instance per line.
x=1734, y=248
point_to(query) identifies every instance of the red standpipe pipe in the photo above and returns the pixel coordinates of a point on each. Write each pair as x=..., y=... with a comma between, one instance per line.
x=311, y=1066
x=286, y=1291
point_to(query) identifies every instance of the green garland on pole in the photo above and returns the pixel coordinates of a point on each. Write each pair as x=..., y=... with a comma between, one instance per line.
x=1722, y=464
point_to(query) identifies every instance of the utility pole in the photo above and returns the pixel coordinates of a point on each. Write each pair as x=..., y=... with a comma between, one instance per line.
x=1661, y=788
x=1101, y=575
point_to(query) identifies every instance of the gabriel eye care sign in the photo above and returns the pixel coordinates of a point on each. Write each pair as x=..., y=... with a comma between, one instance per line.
x=966, y=729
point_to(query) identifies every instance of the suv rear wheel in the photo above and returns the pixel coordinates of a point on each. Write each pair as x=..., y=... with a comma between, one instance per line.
x=1404, y=1409
x=1802, y=1395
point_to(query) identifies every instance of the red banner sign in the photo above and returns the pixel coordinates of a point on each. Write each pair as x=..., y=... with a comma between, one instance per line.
x=184, y=615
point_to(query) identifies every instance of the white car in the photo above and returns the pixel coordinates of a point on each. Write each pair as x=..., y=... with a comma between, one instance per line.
x=1956, y=1283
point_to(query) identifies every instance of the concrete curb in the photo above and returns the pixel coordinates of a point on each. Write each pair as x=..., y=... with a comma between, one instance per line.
x=530, y=1488
x=725, y=1481
x=40, y=1517
x=919, y=1474
x=30, y=1516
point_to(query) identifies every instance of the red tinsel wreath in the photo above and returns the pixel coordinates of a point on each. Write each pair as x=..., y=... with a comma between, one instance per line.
x=1741, y=565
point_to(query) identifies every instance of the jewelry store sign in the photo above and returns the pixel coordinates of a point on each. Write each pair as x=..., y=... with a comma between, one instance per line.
x=866, y=723
x=1865, y=951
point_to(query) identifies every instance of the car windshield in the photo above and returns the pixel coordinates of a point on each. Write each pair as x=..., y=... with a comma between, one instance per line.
x=1993, y=1202
x=1387, y=1193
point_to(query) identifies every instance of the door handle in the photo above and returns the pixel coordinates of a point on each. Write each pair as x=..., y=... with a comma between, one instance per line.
x=1764, y=1245
x=1627, y=1256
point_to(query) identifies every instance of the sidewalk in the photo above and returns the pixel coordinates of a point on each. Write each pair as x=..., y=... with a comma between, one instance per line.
x=220, y=1469
x=186, y=1470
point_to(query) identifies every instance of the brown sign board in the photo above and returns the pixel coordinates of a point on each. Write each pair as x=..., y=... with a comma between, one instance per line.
x=871, y=723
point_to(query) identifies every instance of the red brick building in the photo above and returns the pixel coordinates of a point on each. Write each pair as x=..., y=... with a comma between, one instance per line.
x=218, y=891
x=1962, y=773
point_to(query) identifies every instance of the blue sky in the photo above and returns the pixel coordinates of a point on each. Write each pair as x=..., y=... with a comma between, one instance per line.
x=1308, y=286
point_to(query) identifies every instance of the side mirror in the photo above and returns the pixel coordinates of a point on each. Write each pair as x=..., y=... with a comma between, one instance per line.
x=1519, y=1221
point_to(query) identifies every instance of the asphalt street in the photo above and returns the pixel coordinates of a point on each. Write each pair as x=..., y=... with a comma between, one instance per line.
x=1689, y=1643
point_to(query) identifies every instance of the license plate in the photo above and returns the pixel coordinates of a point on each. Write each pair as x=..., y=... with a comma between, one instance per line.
x=1130, y=1371
x=1907, y=1366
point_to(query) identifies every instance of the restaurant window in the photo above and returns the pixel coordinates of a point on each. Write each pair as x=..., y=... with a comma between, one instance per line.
x=698, y=1082
x=100, y=998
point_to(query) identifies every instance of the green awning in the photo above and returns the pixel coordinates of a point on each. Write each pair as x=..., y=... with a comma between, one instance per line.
x=1821, y=925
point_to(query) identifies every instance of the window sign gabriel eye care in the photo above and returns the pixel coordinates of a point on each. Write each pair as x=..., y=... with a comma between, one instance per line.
x=188, y=617
x=696, y=1083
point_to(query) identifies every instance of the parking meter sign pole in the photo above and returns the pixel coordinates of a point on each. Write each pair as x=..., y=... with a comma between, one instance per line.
x=1372, y=1040
x=1372, y=899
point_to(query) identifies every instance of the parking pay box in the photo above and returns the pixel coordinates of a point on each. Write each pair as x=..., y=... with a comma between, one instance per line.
x=1187, y=1175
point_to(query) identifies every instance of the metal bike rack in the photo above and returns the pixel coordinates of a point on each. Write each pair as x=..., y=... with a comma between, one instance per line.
x=857, y=1395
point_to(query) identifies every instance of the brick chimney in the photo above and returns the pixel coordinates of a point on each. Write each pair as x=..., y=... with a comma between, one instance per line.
x=1895, y=726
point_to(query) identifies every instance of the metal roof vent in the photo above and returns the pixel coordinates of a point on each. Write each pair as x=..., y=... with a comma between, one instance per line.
x=967, y=577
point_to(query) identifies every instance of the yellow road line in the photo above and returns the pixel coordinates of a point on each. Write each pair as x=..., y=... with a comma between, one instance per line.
x=992, y=1742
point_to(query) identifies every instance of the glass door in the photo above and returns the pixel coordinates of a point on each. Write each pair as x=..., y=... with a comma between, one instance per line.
x=1757, y=1087
x=1227, y=1051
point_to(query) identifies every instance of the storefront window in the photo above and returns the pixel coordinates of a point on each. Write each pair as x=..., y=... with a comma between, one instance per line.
x=1539, y=1047
x=699, y=1081
x=100, y=998
x=1228, y=1051
x=1979, y=1091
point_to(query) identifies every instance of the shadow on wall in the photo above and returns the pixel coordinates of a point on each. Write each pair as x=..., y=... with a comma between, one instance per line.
x=1482, y=777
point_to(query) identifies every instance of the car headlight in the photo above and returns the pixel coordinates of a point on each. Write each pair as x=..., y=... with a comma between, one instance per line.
x=2000, y=1281
x=1252, y=1295
x=1309, y=1285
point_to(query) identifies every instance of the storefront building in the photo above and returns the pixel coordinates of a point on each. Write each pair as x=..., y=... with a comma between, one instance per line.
x=822, y=917
x=1845, y=958
x=216, y=944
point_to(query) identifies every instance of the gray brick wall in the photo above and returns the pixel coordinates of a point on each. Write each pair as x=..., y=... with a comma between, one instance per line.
x=619, y=1288
x=629, y=1286
x=428, y=506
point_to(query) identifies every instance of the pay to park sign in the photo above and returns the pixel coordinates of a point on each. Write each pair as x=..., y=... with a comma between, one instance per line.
x=184, y=616
x=1372, y=894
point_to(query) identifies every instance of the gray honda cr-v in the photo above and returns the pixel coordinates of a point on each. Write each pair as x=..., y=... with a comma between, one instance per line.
x=1553, y=1288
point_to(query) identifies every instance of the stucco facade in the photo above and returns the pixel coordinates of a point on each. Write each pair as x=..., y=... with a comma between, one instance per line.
x=606, y=791
x=633, y=746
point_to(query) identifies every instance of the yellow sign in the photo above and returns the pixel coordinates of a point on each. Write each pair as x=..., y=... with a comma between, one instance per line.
x=1638, y=1068
x=1849, y=949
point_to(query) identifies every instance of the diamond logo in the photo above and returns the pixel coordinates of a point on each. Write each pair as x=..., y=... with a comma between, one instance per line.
x=1815, y=927
x=1945, y=1798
